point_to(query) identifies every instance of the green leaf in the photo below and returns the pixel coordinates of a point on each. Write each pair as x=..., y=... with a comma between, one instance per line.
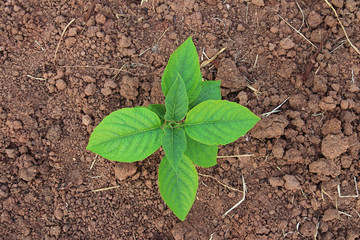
x=159, y=109
x=197, y=91
x=178, y=188
x=185, y=62
x=210, y=90
x=127, y=135
x=219, y=122
x=201, y=154
x=176, y=102
x=174, y=144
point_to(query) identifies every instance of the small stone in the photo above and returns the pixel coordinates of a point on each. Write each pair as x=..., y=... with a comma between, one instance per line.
x=60, y=84
x=286, y=69
x=338, y=3
x=270, y=127
x=351, y=5
x=317, y=35
x=344, y=104
x=87, y=120
x=69, y=42
x=15, y=125
x=291, y=182
x=11, y=153
x=230, y=76
x=88, y=79
x=124, y=42
x=240, y=27
x=314, y=19
x=55, y=231
x=330, y=214
x=278, y=151
x=286, y=43
x=124, y=170
x=110, y=84
x=326, y=106
x=100, y=34
x=91, y=32
x=28, y=174
x=243, y=98
x=353, y=88
x=129, y=87
x=293, y=156
x=4, y=191
x=58, y=214
x=106, y=91
x=320, y=84
x=59, y=19
x=211, y=37
x=5, y=217
x=100, y=19
x=298, y=101
x=330, y=21
x=325, y=167
x=346, y=161
x=54, y=133
x=72, y=32
x=148, y=184
x=179, y=230
x=332, y=146
x=259, y=3
x=90, y=89
x=308, y=229
x=332, y=126
x=211, y=2
x=276, y=182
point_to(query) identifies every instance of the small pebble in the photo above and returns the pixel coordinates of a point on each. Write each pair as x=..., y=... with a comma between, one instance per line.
x=60, y=84
x=90, y=89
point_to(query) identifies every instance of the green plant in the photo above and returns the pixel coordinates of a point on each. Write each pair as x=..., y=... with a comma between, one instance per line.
x=189, y=127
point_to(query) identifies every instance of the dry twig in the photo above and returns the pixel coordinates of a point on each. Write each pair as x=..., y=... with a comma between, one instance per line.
x=312, y=59
x=104, y=189
x=242, y=199
x=297, y=31
x=347, y=38
x=223, y=184
x=207, y=62
x=61, y=37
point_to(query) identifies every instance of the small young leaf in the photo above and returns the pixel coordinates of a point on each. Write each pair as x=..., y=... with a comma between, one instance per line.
x=210, y=90
x=184, y=61
x=127, y=135
x=176, y=102
x=178, y=188
x=219, y=122
x=200, y=154
x=159, y=109
x=174, y=144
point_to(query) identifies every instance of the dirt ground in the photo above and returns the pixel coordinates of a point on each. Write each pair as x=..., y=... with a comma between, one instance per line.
x=297, y=163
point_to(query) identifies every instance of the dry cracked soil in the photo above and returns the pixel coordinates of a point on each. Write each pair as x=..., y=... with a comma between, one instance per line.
x=300, y=164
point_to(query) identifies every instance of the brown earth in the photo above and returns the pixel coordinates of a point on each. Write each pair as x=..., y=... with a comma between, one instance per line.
x=300, y=155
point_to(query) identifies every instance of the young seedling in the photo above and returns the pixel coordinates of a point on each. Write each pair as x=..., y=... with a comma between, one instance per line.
x=189, y=127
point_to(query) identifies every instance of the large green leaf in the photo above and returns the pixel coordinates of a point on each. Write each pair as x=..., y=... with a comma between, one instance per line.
x=201, y=154
x=185, y=62
x=174, y=144
x=176, y=102
x=210, y=90
x=159, y=109
x=219, y=122
x=127, y=135
x=197, y=91
x=178, y=188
